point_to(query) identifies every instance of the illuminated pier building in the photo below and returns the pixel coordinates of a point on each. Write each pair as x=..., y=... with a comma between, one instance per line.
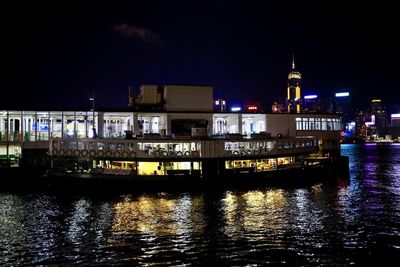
x=180, y=112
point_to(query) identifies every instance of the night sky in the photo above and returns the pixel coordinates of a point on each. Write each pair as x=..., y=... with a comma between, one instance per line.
x=55, y=54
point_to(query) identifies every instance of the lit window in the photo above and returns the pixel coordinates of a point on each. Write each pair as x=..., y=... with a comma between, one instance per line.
x=329, y=125
x=311, y=124
x=298, y=124
x=305, y=124
x=323, y=127
x=317, y=124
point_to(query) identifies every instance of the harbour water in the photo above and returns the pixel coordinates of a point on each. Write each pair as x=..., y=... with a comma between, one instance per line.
x=339, y=222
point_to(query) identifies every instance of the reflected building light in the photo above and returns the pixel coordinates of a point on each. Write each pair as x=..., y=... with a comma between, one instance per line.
x=346, y=202
x=301, y=199
x=13, y=225
x=255, y=212
x=230, y=206
x=128, y=216
x=308, y=220
x=182, y=210
x=104, y=220
x=149, y=216
x=276, y=198
x=80, y=216
x=261, y=211
x=254, y=198
x=230, y=212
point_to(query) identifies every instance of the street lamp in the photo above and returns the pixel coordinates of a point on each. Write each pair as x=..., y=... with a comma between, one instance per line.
x=221, y=103
x=93, y=120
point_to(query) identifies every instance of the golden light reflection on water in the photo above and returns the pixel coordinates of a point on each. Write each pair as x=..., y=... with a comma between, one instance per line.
x=157, y=216
x=144, y=216
x=254, y=211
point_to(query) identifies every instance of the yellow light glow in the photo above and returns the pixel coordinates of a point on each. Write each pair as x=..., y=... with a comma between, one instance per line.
x=144, y=215
x=288, y=92
x=294, y=75
x=298, y=96
x=253, y=211
x=149, y=168
x=376, y=100
x=276, y=199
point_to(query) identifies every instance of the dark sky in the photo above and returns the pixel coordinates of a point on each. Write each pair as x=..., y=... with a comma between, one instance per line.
x=55, y=54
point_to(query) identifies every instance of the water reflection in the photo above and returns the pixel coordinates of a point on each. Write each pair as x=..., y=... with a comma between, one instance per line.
x=77, y=223
x=28, y=223
x=331, y=223
x=253, y=212
x=156, y=216
x=371, y=202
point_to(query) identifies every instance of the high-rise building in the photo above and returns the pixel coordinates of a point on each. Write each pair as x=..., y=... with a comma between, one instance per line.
x=395, y=120
x=343, y=102
x=342, y=106
x=312, y=104
x=294, y=90
x=361, y=127
x=379, y=111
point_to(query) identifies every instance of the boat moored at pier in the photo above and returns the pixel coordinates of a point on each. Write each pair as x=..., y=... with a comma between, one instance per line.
x=170, y=133
x=211, y=159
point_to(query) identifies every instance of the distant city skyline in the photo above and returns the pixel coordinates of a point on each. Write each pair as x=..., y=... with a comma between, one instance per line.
x=56, y=55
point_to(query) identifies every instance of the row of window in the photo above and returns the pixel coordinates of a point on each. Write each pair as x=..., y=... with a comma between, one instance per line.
x=34, y=128
x=259, y=165
x=318, y=124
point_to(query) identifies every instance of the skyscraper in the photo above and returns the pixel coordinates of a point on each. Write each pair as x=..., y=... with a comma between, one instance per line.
x=343, y=103
x=312, y=104
x=294, y=90
x=379, y=111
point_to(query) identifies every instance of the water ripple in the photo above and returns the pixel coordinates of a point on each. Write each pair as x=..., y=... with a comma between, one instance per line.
x=344, y=222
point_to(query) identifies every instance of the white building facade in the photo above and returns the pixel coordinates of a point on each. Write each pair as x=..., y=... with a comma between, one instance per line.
x=171, y=110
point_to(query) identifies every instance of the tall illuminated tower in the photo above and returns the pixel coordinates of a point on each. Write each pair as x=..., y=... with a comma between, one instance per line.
x=294, y=90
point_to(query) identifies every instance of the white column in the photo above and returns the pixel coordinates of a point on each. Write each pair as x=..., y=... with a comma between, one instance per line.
x=8, y=130
x=75, y=124
x=22, y=127
x=240, y=123
x=86, y=125
x=100, y=124
x=62, y=124
x=36, y=121
x=48, y=126
x=135, y=124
